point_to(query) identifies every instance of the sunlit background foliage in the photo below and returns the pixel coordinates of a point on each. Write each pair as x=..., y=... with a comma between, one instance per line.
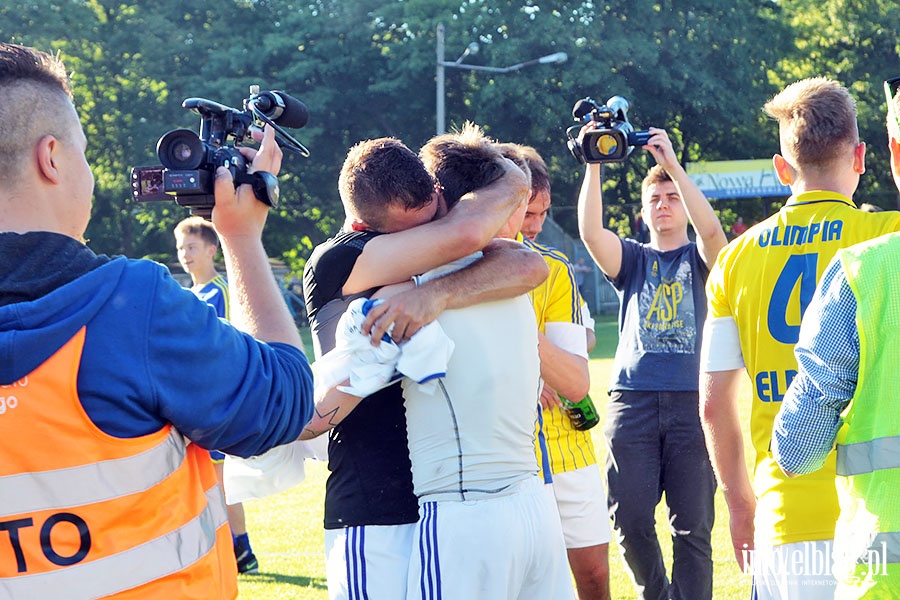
x=702, y=69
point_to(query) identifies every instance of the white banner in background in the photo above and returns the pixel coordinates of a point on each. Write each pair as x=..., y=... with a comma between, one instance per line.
x=737, y=178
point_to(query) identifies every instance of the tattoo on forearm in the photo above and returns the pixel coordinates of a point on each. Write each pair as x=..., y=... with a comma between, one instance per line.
x=322, y=421
x=312, y=432
x=328, y=416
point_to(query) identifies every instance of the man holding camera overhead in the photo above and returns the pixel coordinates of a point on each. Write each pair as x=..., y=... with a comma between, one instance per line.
x=111, y=366
x=653, y=428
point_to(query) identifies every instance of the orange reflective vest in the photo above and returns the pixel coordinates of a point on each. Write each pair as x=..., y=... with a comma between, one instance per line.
x=87, y=515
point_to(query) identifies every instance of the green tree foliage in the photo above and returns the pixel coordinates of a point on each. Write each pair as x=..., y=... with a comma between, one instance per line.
x=856, y=44
x=702, y=69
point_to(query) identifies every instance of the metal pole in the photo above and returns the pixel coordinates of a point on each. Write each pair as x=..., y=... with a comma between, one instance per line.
x=440, y=93
x=440, y=115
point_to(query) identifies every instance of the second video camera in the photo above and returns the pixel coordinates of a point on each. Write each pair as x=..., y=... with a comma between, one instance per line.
x=189, y=161
x=612, y=140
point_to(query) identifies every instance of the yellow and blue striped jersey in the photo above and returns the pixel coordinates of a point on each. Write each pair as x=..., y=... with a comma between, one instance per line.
x=557, y=300
x=764, y=280
x=215, y=293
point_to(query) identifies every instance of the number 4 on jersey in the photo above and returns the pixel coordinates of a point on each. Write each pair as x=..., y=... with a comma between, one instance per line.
x=800, y=268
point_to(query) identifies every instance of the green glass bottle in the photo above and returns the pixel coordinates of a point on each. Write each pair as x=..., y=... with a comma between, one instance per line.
x=583, y=414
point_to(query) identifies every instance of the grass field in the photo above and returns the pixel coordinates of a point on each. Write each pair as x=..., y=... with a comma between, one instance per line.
x=286, y=530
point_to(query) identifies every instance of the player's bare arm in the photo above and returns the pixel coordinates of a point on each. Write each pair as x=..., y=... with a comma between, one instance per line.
x=508, y=269
x=725, y=442
x=257, y=306
x=564, y=372
x=330, y=410
x=467, y=228
x=334, y=405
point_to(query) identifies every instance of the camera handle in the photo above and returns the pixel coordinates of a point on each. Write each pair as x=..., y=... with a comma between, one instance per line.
x=264, y=184
x=574, y=144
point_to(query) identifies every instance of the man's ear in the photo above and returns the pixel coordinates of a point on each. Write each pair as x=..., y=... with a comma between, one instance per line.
x=783, y=169
x=357, y=224
x=894, y=146
x=438, y=197
x=46, y=154
x=859, y=158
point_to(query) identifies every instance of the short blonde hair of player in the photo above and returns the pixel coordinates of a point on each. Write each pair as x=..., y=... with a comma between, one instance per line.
x=462, y=161
x=198, y=226
x=817, y=122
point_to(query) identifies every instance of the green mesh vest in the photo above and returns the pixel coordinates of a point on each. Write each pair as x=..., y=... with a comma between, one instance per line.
x=867, y=537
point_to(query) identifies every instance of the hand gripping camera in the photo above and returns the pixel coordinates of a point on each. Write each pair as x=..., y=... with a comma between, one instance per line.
x=612, y=140
x=189, y=161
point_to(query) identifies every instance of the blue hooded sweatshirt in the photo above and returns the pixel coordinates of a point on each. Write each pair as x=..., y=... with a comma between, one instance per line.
x=153, y=353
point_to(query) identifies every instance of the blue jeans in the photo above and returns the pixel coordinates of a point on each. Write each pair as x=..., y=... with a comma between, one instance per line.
x=656, y=445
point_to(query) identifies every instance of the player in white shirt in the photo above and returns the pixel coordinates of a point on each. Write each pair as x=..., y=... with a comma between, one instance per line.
x=486, y=527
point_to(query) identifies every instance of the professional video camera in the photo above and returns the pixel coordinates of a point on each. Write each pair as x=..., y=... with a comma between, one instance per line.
x=614, y=138
x=189, y=161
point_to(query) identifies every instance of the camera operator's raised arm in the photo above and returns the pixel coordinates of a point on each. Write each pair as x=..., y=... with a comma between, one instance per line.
x=602, y=244
x=710, y=235
x=257, y=306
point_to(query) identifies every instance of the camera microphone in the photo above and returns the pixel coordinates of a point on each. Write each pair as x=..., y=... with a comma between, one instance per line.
x=282, y=108
x=619, y=107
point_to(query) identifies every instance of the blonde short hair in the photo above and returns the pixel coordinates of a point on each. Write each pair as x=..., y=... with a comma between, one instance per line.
x=816, y=120
x=463, y=161
x=198, y=226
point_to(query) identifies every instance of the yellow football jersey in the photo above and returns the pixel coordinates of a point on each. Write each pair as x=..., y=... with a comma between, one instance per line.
x=764, y=279
x=557, y=300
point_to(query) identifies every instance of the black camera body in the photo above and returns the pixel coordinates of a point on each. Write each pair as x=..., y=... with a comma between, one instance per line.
x=189, y=161
x=613, y=139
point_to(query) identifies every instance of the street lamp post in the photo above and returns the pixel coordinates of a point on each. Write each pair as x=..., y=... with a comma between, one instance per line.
x=440, y=111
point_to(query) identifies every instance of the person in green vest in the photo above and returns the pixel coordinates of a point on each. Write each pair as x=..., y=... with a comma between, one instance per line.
x=845, y=394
